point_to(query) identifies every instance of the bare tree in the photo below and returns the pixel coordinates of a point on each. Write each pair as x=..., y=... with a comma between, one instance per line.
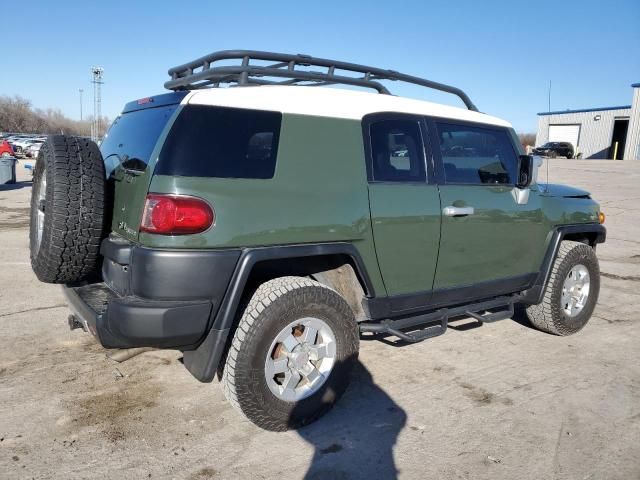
x=18, y=116
x=527, y=139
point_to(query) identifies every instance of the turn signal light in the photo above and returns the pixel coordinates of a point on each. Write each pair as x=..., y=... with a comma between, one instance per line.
x=176, y=215
x=601, y=217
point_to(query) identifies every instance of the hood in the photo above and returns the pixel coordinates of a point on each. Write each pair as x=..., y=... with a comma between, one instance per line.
x=558, y=190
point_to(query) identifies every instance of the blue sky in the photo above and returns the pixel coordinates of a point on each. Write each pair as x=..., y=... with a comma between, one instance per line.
x=501, y=53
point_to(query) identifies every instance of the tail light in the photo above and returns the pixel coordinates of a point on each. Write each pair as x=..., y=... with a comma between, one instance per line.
x=175, y=215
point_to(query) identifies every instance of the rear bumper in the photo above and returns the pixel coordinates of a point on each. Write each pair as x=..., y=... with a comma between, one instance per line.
x=153, y=297
x=125, y=322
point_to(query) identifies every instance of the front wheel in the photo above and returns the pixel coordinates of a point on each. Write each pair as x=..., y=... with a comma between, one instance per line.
x=571, y=293
x=292, y=354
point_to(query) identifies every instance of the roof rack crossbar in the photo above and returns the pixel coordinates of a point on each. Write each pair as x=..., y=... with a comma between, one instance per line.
x=204, y=72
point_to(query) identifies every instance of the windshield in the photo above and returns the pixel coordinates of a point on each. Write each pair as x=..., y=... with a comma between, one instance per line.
x=132, y=138
x=550, y=144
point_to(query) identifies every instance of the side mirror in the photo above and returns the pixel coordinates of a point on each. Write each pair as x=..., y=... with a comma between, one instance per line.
x=525, y=171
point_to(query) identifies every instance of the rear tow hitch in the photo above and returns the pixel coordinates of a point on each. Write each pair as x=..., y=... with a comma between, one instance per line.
x=74, y=323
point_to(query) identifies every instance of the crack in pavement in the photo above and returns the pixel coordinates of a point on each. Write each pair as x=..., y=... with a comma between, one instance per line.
x=33, y=310
x=631, y=278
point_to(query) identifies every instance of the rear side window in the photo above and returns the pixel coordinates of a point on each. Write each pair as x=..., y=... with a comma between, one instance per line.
x=397, y=152
x=133, y=136
x=221, y=142
x=474, y=155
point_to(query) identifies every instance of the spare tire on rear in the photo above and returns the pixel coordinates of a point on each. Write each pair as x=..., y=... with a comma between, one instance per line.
x=68, y=210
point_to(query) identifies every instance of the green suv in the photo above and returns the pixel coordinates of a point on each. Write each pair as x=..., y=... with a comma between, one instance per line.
x=262, y=230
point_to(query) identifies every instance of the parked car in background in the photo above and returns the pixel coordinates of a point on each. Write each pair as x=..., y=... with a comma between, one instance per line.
x=555, y=149
x=6, y=150
x=32, y=150
x=21, y=144
x=18, y=144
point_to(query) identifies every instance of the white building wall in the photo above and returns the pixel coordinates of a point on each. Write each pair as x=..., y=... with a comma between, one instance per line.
x=595, y=135
x=632, y=149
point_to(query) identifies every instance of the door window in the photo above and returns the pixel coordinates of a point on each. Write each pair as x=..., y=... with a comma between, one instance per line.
x=397, y=152
x=474, y=155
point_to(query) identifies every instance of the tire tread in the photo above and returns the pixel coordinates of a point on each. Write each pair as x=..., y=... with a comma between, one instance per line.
x=76, y=210
x=547, y=315
x=251, y=325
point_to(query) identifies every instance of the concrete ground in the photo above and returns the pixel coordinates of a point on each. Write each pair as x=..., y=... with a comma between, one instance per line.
x=502, y=401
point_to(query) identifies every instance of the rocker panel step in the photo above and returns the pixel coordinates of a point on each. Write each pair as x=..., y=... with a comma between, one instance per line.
x=493, y=316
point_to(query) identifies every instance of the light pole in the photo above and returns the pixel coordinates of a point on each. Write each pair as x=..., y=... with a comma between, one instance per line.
x=97, y=75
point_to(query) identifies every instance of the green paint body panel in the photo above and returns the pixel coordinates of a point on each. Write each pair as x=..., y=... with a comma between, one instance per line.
x=406, y=227
x=320, y=193
x=129, y=196
x=502, y=238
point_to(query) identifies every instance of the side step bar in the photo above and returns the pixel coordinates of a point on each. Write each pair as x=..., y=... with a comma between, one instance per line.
x=494, y=316
x=392, y=327
x=436, y=323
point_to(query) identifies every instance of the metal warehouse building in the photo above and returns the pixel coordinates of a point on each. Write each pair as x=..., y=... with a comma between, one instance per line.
x=612, y=132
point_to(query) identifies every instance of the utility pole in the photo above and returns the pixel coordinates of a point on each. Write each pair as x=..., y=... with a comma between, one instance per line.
x=97, y=74
x=80, y=90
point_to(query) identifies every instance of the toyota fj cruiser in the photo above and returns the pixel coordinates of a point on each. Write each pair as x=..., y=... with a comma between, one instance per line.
x=262, y=229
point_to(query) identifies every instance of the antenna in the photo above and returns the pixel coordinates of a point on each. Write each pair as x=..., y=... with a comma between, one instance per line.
x=97, y=74
x=549, y=110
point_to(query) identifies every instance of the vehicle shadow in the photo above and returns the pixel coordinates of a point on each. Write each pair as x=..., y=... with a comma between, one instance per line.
x=5, y=187
x=356, y=438
x=520, y=317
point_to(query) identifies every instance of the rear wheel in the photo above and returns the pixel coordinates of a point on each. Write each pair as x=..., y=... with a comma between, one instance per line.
x=68, y=210
x=571, y=293
x=292, y=353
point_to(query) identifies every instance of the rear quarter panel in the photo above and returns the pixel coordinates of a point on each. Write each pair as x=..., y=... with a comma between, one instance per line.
x=318, y=194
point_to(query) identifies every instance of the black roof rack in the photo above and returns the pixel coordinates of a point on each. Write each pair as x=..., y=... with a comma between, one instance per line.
x=281, y=69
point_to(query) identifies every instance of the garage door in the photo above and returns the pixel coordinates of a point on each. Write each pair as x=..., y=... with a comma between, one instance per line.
x=564, y=133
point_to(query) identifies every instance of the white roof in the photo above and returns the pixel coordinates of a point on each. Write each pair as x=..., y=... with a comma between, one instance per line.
x=328, y=102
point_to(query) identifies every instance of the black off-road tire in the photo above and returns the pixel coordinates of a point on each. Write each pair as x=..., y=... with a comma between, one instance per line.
x=75, y=210
x=549, y=316
x=274, y=305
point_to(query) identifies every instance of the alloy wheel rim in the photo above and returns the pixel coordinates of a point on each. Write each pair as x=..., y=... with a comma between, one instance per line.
x=300, y=359
x=42, y=196
x=575, y=290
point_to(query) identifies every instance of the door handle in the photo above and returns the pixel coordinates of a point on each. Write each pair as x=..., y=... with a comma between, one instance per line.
x=452, y=211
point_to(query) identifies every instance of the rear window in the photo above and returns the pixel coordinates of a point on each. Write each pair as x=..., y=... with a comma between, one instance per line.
x=221, y=142
x=132, y=137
